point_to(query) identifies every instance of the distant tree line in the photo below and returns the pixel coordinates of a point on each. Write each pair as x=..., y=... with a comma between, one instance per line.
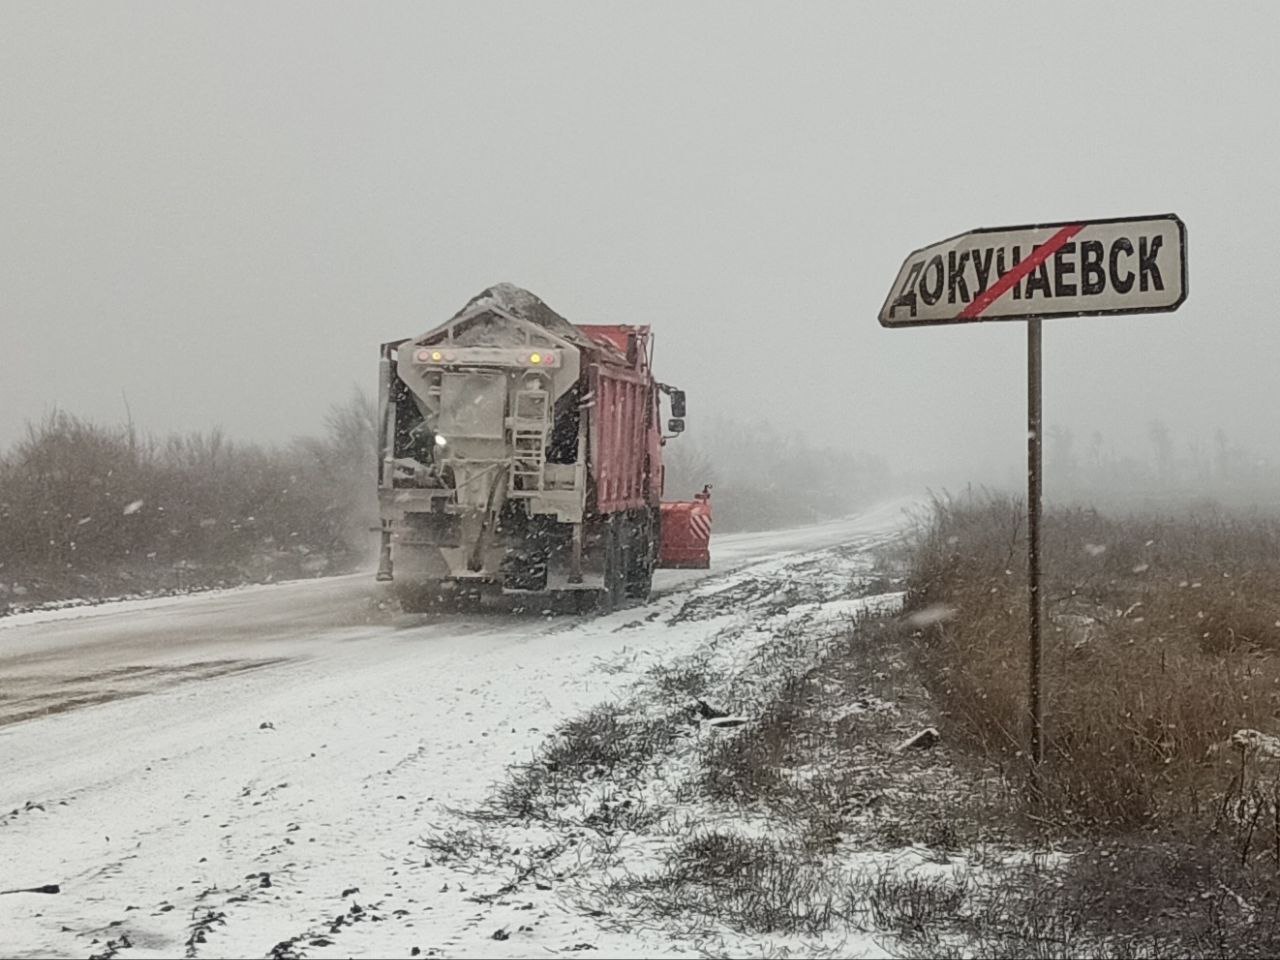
x=93, y=510
x=764, y=478
x=1163, y=466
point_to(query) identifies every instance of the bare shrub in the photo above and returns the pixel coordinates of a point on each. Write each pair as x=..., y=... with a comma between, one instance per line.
x=748, y=883
x=454, y=845
x=681, y=682
x=602, y=743
x=915, y=906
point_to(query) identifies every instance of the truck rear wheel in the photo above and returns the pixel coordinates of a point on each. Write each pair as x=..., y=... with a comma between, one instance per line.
x=420, y=597
x=615, y=564
x=585, y=601
x=641, y=559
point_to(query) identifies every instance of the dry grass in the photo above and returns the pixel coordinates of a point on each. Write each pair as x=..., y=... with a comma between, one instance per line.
x=747, y=768
x=771, y=886
x=1161, y=641
x=604, y=743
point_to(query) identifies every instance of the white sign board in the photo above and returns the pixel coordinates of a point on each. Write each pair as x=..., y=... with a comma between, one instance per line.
x=1086, y=268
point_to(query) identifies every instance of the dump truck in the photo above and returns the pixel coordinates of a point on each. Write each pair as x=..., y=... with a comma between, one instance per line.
x=522, y=454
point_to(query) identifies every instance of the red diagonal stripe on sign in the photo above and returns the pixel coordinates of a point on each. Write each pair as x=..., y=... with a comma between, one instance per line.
x=1005, y=283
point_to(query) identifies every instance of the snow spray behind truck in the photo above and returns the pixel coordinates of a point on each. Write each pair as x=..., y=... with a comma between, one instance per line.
x=521, y=453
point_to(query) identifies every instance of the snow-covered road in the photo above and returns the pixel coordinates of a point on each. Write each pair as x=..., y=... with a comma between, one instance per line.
x=214, y=775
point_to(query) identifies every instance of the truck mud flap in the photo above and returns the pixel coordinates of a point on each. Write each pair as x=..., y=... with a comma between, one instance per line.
x=686, y=534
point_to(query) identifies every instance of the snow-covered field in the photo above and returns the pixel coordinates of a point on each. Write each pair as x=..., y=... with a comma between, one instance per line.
x=249, y=772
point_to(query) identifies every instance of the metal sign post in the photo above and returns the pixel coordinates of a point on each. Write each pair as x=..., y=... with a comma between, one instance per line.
x=1035, y=449
x=1082, y=268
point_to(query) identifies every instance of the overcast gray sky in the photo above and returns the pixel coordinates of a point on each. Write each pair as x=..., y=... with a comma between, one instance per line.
x=221, y=209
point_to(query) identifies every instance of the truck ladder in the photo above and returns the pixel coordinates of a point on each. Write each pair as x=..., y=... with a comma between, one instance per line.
x=528, y=443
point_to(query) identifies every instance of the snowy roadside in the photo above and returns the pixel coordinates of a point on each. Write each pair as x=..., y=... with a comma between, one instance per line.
x=771, y=792
x=595, y=817
x=237, y=815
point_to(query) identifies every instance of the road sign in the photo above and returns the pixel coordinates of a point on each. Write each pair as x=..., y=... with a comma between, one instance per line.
x=1082, y=268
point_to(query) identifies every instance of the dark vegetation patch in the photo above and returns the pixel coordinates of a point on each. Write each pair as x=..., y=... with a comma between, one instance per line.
x=94, y=511
x=604, y=744
x=749, y=884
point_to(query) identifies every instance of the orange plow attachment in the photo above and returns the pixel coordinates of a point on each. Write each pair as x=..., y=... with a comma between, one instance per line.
x=686, y=533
